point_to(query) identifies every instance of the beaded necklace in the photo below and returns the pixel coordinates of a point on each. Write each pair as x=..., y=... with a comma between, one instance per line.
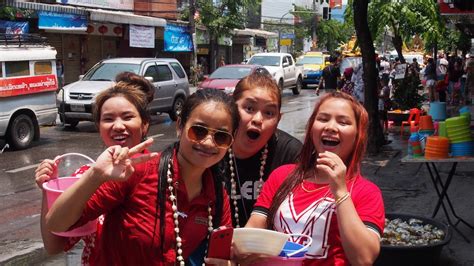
x=174, y=201
x=233, y=189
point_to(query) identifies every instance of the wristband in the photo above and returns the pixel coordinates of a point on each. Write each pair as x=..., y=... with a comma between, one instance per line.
x=343, y=198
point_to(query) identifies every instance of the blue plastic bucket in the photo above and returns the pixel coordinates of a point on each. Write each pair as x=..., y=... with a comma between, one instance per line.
x=438, y=111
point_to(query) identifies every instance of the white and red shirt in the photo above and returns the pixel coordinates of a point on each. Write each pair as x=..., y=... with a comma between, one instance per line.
x=314, y=214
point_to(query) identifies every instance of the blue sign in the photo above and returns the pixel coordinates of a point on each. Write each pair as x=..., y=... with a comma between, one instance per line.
x=61, y=21
x=11, y=27
x=177, y=39
x=287, y=36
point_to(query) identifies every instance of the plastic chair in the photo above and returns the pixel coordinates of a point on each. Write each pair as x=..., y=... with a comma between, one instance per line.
x=413, y=120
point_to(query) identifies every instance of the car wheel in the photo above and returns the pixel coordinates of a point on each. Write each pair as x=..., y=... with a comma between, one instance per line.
x=72, y=123
x=21, y=132
x=177, y=107
x=280, y=84
x=298, y=86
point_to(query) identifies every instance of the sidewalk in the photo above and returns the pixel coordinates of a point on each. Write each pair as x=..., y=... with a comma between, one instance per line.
x=406, y=188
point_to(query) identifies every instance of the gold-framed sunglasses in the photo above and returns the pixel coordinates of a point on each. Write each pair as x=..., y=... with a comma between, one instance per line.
x=222, y=139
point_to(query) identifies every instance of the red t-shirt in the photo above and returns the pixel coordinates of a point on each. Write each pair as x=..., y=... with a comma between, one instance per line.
x=130, y=235
x=314, y=214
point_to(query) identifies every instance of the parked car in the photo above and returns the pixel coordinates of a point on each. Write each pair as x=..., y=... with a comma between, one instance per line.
x=226, y=77
x=313, y=64
x=166, y=74
x=282, y=68
x=28, y=85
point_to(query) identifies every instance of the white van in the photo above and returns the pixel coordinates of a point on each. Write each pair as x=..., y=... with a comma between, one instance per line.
x=28, y=85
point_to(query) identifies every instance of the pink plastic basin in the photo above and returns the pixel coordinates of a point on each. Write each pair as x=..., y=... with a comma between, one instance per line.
x=54, y=188
x=272, y=261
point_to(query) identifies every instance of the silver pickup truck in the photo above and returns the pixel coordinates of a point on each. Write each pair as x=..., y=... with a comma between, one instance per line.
x=283, y=69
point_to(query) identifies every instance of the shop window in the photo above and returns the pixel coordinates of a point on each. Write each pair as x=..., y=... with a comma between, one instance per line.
x=164, y=73
x=178, y=69
x=43, y=68
x=152, y=72
x=18, y=68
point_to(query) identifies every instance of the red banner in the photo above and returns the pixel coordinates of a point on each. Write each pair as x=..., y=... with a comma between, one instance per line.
x=335, y=3
x=27, y=85
x=449, y=9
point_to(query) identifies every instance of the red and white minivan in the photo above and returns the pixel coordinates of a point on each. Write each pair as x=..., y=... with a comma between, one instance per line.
x=28, y=85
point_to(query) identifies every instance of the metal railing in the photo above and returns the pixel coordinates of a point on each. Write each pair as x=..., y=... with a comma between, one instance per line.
x=22, y=40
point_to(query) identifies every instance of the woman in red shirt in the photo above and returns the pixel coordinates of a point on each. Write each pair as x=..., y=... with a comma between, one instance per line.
x=324, y=195
x=159, y=208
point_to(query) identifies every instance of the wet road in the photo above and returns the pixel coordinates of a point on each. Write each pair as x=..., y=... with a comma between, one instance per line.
x=20, y=199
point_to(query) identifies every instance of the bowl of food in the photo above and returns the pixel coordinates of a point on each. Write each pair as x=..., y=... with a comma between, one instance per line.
x=412, y=240
x=259, y=241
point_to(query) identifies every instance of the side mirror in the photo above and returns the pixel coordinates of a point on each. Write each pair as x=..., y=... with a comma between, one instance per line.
x=81, y=77
x=327, y=63
x=205, y=76
x=286, y=64
x=150, y=79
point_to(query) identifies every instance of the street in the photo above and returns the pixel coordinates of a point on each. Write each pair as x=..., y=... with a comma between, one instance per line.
x=21, y=199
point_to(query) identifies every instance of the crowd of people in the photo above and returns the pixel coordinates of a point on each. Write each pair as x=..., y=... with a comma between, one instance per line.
x=231, y=166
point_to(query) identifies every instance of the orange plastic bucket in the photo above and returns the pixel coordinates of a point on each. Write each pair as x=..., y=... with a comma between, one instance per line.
x=55, y=187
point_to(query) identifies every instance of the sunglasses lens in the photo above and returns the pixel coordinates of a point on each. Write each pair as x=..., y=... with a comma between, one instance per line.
x=197, y=133
x=223, y=139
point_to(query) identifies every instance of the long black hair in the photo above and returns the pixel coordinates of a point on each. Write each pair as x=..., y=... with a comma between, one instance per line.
x=193, y=101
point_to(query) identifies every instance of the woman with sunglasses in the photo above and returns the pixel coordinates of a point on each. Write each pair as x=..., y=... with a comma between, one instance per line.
x=122, y=119
x=259, y=146
x=160, y=208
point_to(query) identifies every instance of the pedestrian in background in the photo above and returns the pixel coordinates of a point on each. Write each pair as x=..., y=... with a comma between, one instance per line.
x=330, y=76
x=221, y=62
x=60, y=73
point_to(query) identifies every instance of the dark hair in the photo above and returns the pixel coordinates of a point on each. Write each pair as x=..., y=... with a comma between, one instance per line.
x=308, y=155
x=257, y=80
x=136, y=89
x=191, y=103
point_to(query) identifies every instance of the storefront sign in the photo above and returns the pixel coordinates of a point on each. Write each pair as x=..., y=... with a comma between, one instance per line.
x=202, y=37
x=203, y=51
x=27, y=85
x=110, y=4
x=61, y=21
x=225, y=41
x=142, y=36
x=11, y=27
x=285, y=42
x=177, y=39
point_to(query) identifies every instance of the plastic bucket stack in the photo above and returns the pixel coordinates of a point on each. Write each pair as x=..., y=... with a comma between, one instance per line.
x=438, y=111
x=459, y=134
x=426, y=126
x=437, y=147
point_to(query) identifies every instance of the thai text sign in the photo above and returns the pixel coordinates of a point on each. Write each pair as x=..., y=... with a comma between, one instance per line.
x=27, y=85
x=61, y=21
x=177, y=39
x=142, y=36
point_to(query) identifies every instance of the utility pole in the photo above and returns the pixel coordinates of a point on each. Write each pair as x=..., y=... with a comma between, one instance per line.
x=192, y=25
x=313, y=35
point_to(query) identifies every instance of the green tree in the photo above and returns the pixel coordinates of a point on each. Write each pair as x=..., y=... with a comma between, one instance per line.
x=365, y=42
x=404, y=19
x=220, y=18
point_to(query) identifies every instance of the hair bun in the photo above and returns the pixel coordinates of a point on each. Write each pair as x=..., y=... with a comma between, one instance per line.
x=138, y=81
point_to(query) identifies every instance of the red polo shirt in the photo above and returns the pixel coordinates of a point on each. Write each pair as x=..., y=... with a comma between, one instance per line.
x=131, y=231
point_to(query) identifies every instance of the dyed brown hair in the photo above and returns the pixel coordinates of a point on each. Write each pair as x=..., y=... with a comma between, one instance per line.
x=257, y=80
x=308, y=155
x=136, y=89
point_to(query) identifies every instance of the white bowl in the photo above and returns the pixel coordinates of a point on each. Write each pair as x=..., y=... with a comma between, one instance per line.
x=259, y=241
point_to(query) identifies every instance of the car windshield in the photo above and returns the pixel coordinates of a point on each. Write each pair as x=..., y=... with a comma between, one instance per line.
x=108, y=71
x=316, y=60
x=230, y=73
x=265, y=60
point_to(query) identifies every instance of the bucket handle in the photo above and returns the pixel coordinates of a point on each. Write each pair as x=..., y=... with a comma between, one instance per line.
x=310, y=241
x=58, y=159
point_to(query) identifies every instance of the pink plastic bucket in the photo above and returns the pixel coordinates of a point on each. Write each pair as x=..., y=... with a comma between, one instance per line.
x=56, y=187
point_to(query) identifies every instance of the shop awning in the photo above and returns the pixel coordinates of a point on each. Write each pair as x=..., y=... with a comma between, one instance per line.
x=48, y=7
x=125, y=18
x=255, y=32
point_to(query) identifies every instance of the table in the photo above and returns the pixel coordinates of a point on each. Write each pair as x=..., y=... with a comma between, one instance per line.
x=441, y=187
